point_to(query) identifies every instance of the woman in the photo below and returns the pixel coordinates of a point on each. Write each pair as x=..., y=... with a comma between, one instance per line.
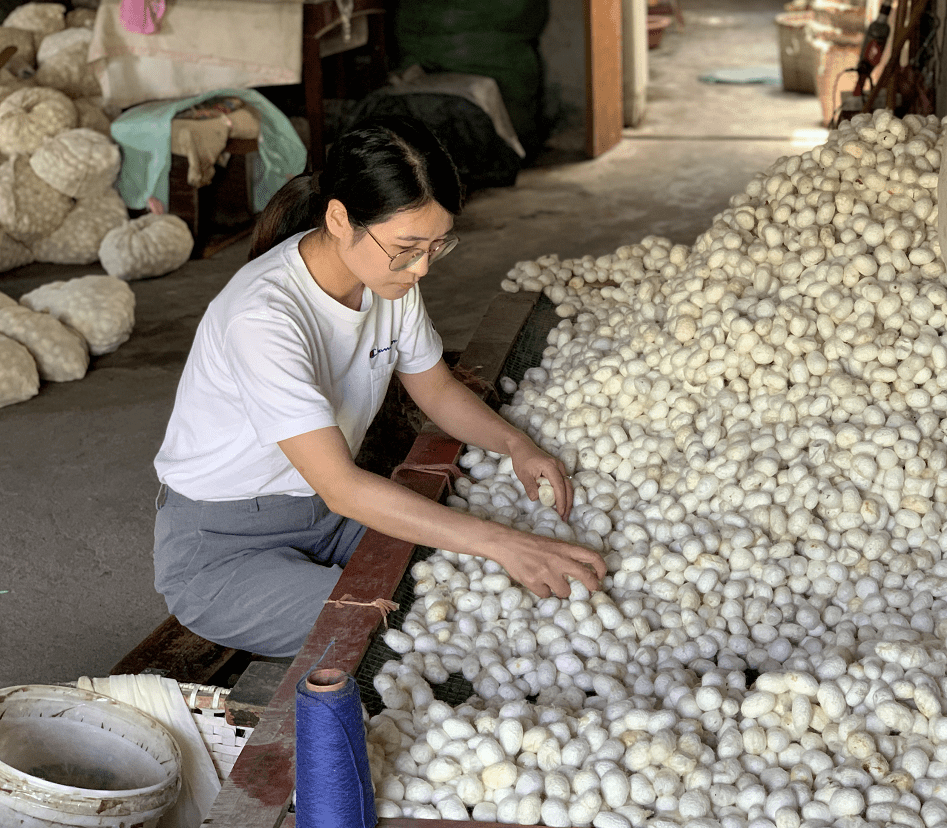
x=288, y=367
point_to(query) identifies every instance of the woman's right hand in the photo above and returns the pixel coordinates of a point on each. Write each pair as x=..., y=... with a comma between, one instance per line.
x=544, y=565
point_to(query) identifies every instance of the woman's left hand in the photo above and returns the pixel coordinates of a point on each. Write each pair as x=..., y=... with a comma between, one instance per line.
x=532, y=464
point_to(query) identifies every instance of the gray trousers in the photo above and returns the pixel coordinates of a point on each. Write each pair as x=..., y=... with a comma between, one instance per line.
x=251, y=574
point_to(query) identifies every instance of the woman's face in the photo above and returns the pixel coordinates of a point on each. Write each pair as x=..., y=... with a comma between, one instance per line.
x=368, y=254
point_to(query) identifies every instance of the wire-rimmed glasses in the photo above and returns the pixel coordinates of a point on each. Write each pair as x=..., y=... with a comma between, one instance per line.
x=409, y=258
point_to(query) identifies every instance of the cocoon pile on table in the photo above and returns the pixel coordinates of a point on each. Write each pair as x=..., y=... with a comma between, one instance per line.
x=755, y=425
x=101, y=308
x=61, y=353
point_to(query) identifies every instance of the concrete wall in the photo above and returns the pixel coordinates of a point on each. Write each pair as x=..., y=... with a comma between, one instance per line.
x=562, y=47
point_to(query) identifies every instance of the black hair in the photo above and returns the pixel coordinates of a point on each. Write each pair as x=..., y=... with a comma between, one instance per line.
x=376, y=168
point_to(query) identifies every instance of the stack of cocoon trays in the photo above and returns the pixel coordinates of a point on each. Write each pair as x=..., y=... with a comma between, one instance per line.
x=755, y=425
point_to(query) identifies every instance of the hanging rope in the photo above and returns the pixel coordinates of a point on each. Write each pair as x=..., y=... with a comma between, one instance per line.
x=383, y=605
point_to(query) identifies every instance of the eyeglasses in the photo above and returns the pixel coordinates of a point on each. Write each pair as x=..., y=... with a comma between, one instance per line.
x=409, y=258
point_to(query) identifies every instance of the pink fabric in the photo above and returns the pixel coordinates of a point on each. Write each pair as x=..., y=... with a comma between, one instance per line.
x=142, y=16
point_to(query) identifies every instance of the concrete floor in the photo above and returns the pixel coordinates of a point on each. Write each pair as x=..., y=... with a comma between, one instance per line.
x=77, y=484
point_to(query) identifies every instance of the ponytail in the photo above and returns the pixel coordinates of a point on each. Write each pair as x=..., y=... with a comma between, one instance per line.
x=295, y=207
x=375, y=169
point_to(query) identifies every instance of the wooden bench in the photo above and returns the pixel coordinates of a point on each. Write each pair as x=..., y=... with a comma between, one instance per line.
x=173, y=651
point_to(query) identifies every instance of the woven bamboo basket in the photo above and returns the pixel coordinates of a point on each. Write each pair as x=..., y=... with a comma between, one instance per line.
x=224, y=741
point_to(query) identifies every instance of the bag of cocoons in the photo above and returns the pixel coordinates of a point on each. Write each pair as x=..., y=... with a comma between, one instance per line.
x=92, y=116
x=23, y=62
x=77, y=239
x=10, y=84
x=80, y=163
x=101, y=308
x=61, y=353
x=39, y=18
x=13, y=253
x=62, y=63
x=80, y=18
x=29, y=207
x=151, y=245
x=31, y=115
x=19, y=377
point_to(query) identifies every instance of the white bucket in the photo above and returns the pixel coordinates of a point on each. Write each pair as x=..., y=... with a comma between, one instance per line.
x=70, y=757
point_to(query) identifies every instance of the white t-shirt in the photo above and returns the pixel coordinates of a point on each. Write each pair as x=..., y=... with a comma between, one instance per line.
x=275, y=356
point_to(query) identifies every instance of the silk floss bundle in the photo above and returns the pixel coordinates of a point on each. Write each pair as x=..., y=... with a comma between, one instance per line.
x=333, y=778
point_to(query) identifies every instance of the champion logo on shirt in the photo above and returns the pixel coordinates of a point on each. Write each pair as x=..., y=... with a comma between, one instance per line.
x=376, y=351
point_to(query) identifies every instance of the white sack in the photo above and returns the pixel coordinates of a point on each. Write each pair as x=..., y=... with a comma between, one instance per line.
x=29, y=208
x=80, y=163
x=151, y=245
x=19, y=377
x=101, y=308
x=61, y=353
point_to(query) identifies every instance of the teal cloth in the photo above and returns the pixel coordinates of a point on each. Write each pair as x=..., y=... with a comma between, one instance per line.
x=745, y=75
x=144, y=134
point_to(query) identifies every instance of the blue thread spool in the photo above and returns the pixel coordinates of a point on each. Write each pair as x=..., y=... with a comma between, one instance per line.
x=333, y=778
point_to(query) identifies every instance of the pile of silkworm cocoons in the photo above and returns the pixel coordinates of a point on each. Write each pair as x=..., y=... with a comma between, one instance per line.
x=755, y=428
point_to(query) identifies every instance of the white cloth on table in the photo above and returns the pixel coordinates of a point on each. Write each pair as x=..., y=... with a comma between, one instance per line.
x=202, y=45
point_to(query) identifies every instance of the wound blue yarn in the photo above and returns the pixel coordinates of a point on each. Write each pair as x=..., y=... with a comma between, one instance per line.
x=333, y=779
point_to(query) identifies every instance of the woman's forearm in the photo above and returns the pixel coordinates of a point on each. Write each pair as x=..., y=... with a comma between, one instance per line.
x=396, y=510
x=459, y=412
x=541, y=564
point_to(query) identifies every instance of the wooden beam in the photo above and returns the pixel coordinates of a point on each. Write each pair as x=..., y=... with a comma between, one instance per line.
x=490, y=347
x=604, y=96
x=176, y=653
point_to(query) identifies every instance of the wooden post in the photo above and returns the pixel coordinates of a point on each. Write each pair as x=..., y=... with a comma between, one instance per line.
x=603, y=76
